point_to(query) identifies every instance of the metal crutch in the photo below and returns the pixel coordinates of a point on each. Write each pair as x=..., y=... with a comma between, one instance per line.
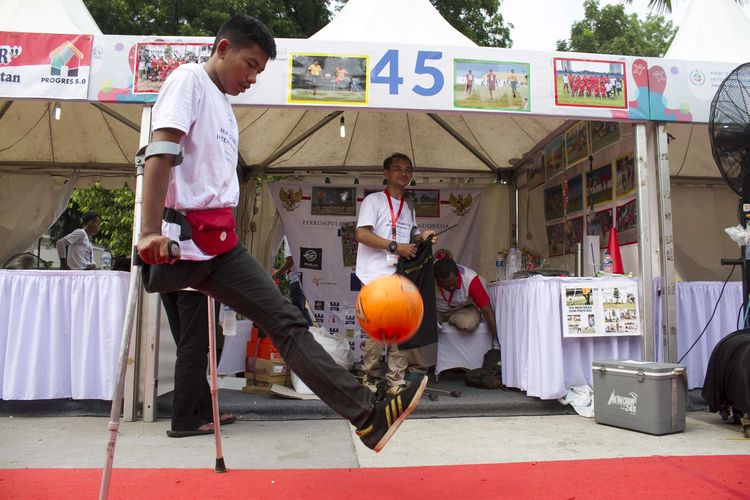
x=220, y=466
x=134, y=291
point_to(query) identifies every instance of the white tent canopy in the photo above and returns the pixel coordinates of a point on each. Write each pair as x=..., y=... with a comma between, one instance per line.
x=47, y=16
x=712, y=30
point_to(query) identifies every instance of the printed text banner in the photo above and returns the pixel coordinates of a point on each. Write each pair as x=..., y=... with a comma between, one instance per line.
x=37, y=65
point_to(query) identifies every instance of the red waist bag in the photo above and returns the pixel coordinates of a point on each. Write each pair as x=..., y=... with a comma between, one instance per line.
x=213, y=230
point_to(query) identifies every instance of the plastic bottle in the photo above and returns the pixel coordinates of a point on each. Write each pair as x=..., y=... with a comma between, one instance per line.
x=500, y=266
x=229, y=321
x=106, y=259
x=514, y=263
x=607, y=263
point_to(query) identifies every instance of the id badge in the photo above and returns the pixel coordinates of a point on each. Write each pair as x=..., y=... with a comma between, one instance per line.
x=391, y=259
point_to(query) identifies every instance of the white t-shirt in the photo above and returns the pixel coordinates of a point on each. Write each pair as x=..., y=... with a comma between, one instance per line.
x=80, y=252
x=374, y=211
x=207, y=177
x=292, y=275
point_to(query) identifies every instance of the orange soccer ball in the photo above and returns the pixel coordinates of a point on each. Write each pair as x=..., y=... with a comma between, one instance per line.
x=390, y=309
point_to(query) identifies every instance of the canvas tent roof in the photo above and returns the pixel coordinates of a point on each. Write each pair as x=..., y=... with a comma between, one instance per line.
x=712, y=30
x=47, y=16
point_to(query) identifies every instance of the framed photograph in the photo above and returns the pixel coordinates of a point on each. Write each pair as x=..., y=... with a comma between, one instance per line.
x=576, y=143
x=553, y=202
x=599, y=184
x=575, y=194
x=603, y=134
x=554, y=159
x=625, y=176
x=599, y=224
x=498, y=85
x=328, y=79
x=426, y=202
x=334, y=201
x=155, y=61
x=556, y=239
x=348, y=243
x=590, y=83
x=535, y=172
x=573, y=233
x=627, y=223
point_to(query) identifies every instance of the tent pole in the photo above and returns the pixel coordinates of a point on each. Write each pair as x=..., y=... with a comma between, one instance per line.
x=667, y=289
x=117, y=116
x=5, y=108
x=307, y=133
x=462, y=140
x=648, y=237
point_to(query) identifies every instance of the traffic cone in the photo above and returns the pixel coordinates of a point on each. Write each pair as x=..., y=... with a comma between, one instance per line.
x=613, y=247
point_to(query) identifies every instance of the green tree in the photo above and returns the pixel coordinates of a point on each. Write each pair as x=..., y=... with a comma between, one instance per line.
x=286, y=18
x=115, y=206
x=611, y=31
x=666, y=5
x=480, y=20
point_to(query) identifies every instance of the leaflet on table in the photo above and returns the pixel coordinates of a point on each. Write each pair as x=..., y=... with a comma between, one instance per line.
x=600, y=310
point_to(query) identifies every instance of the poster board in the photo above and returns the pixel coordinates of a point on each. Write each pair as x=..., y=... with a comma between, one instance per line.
x=600, y=308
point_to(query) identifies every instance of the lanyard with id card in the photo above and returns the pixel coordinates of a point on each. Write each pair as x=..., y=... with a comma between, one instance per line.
x=392, y=258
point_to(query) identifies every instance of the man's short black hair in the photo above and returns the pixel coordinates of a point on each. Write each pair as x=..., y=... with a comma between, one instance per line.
x=387, y=162
x=89, y=216
x=444, y=268
x=245, y=31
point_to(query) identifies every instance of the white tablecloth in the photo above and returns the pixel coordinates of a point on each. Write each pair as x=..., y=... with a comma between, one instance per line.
x=695, y=301
x=535, y=356
x=60, y=333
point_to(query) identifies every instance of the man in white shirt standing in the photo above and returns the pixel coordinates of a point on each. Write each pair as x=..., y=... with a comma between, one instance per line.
x=384, y=230
x=75, y=250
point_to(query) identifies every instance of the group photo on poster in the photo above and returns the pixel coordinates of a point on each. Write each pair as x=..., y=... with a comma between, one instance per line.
x=491, y=85
x=554, y=157
x=625, y=167
x=599, y=184
x=576, y=144
x=627, y=223
x=155, y=61
x=603, y=134
x=535, y=172
x=590, y=83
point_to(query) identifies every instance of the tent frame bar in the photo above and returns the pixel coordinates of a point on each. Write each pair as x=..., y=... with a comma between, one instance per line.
x=5, y=108
x=462, y=140
x=117, y=116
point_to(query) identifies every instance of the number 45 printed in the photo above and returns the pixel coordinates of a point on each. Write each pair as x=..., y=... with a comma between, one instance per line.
x=386, y=72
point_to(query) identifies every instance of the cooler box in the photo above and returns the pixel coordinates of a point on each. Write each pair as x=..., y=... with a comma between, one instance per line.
x=640, y=395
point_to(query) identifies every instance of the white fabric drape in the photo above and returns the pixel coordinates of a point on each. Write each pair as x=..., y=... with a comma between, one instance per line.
x=60, y=333
x=457, y=349
x=29, y=205
x=535, y=356
x=695, y=302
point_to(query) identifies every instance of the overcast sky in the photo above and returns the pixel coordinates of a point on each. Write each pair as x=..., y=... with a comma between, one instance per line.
x=538, y=24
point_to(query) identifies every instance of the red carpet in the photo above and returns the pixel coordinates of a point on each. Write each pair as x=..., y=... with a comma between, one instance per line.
x=714, y=477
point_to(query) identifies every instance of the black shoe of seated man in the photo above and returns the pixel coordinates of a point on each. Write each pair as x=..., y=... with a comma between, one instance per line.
x=389, y=414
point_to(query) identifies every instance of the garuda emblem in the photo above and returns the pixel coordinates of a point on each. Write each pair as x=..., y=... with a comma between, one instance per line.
x=290, y=199
x=461, y=204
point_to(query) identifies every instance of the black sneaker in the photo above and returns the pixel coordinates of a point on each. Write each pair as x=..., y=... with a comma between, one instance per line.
x=389, y=413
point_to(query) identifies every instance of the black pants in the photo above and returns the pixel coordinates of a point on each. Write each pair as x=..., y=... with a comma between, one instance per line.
x=238, y=281
x=187, y=313
x=297, y=296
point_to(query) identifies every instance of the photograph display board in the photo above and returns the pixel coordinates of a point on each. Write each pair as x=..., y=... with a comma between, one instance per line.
x=600, y=309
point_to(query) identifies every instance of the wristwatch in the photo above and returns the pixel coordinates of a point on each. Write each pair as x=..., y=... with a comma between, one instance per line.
x=392, y=247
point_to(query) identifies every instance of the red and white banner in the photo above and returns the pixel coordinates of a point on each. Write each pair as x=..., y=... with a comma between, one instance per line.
x=37, y=65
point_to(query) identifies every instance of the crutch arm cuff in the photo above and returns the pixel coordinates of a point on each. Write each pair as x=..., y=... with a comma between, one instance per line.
x=161, y=148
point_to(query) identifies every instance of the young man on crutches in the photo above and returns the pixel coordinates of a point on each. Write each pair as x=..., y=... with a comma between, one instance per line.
x=192, y=202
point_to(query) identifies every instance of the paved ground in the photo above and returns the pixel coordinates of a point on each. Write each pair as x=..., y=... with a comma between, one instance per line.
x=81, y=442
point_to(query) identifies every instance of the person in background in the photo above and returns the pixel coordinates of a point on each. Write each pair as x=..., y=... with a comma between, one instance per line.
x=296, y=294
x=75, y=250
x=384, y=231
x=461, y=296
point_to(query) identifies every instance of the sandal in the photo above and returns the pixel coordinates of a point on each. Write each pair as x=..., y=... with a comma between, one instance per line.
x=200, y=431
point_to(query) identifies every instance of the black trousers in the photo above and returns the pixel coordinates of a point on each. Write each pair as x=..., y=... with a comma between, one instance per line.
x=297, y=296
x=187, y=313
x=237, y=280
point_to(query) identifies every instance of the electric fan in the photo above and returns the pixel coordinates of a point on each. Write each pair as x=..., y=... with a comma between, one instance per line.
x=729, y=131
x=25, y=260
x=727, y=383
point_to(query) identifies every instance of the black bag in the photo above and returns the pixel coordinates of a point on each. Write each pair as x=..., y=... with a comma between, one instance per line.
x=420, y=271
x=488, y=376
